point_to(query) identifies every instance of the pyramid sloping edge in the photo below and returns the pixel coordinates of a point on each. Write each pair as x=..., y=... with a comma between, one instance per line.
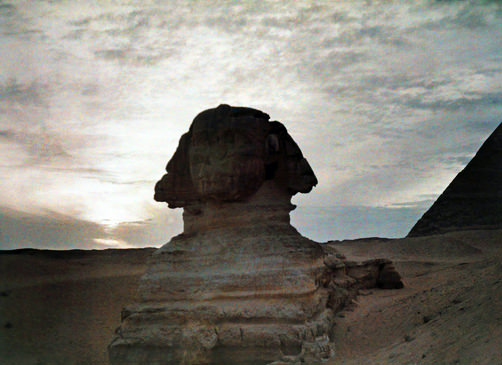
x=473, y=200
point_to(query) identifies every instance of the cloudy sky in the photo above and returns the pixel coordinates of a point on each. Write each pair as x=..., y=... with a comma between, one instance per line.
x=388, y=101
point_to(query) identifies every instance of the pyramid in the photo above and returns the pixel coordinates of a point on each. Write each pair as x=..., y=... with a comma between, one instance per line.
x=473, y=200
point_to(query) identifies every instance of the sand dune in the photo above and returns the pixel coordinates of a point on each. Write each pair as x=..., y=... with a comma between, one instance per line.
x=62, y=307
x=449, y=312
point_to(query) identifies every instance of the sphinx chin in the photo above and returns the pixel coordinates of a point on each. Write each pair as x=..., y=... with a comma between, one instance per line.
x=240, y=282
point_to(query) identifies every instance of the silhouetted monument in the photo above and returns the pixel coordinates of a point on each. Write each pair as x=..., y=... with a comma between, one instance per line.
x=473, y=200
x=240, y=284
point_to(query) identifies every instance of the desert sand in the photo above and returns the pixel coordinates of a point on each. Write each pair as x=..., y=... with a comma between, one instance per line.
x=450, y=311
x=62, y=307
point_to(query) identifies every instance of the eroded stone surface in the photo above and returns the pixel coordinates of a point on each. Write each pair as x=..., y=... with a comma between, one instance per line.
x=240, y=284
x=227, y=155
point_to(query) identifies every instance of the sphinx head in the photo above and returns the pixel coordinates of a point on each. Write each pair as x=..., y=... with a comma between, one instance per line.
x=227, y=154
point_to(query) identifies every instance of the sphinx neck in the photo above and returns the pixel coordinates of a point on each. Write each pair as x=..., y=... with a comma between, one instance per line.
x=269, y=206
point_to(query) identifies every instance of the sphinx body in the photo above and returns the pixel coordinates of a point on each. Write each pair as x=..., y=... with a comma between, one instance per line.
x=240, y=284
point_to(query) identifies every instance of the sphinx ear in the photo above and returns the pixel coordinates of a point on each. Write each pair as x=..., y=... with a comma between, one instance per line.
x=176, y=187
x=272, y=144
x=272, y=155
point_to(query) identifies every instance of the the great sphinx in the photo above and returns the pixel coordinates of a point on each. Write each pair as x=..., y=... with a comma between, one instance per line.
x=240, y=285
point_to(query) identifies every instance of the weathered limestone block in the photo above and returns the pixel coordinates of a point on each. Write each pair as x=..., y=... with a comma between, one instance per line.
x=240, y=285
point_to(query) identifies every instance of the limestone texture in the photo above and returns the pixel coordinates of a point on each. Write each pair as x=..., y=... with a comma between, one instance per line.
x=240, y=285
x=473, y=200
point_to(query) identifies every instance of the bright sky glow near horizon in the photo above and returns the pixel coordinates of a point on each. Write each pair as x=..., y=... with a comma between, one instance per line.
x=388, y=101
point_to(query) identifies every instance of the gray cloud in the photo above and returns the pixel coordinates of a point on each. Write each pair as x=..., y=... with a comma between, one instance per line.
x=42, y=147
x=12, y=23
x=46, y=230
x=51, y=230
x=138, y=37
x=131, y=55
x=387, y=101
x=155, y=231
x=468, y=14
x=13, y=91
x=7, y=10
x=6, y=134
x=470, y=100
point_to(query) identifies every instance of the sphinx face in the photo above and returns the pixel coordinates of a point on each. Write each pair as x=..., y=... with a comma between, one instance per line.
x=226, y=156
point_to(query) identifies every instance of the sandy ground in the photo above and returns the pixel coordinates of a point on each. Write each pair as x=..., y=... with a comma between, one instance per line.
x=62, y=307
x=450, y=311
